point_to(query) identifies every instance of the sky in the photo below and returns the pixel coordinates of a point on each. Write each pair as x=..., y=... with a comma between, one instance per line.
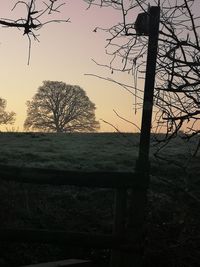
x=65, y=52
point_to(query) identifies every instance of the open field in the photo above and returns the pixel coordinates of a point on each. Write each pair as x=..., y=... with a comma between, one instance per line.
x=69, y=151
x=98, y=151
x=173, y=212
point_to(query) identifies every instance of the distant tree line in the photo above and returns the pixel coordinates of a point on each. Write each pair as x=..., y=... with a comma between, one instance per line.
x=56, y=107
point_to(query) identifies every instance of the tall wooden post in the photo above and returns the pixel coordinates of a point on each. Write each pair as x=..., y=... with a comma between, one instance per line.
x=143, y=158
x=120, y=212
x=138, y=198
x=138, y=201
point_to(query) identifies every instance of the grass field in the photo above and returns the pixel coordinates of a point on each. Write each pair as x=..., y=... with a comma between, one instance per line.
x=173, y=212
x=69, y=151
x=98, y=151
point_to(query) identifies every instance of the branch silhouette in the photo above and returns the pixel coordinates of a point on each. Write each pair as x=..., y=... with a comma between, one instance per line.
x=177, y=90
x=32, y=20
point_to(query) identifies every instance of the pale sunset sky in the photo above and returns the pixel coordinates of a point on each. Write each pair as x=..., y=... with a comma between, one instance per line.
x=64, y=53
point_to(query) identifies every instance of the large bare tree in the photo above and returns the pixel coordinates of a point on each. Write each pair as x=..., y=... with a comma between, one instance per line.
x=177, y=90
x=58, y=107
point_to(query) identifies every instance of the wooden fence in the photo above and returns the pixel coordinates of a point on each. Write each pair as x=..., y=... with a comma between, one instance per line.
x=98, y=179
x=119, y=181
x=131, y=242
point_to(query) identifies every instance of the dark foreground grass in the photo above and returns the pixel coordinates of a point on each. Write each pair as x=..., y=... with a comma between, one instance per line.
x=173, y=235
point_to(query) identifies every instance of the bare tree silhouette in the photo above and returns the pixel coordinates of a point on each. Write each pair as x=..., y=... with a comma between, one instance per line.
x=58, y=107
x=177, y=90
x=5, y=116
x=34, y=19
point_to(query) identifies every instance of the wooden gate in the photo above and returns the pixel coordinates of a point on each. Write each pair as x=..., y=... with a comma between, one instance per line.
x=126, y=241
x=119, y=181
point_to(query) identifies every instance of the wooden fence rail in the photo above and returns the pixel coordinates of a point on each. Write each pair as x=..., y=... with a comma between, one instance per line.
x=119, y=181
x=77, y=178
x=90, y=240
x=64, y=263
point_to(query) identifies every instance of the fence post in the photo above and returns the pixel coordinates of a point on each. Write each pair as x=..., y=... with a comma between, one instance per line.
x=120, y=212
x=138, y=201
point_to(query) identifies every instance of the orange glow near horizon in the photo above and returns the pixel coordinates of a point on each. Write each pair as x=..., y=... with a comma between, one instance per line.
x=64, y=53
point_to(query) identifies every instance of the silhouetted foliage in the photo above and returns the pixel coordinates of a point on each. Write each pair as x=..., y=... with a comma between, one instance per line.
x=5, y=116
x=177, y=90
x=59, y=107
x=34, y=19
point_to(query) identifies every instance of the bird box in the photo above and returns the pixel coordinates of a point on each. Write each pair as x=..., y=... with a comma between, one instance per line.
x=142, y=24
